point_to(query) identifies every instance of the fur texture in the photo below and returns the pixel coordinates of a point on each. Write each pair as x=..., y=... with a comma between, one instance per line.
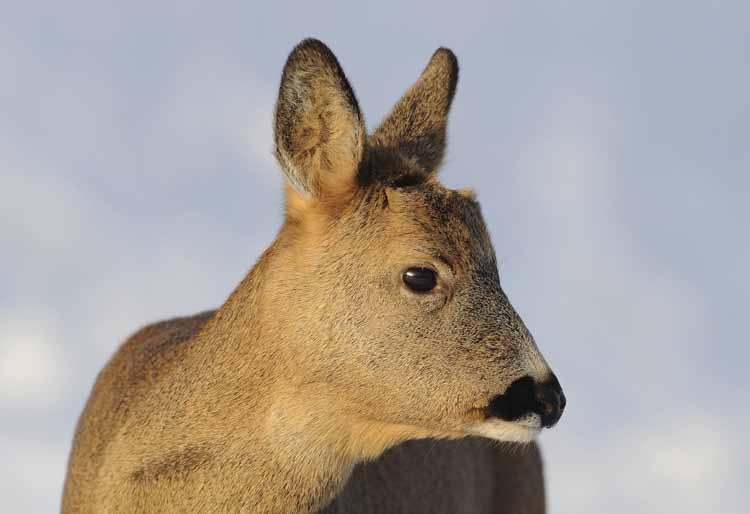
x=322, y=359
x=319, y=130
x=417, y=125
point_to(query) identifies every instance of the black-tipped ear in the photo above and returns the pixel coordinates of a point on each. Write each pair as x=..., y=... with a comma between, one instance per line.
x=319, y=131
x=417, y=124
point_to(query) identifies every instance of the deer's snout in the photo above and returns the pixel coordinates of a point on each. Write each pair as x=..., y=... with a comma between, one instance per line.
x=526, y=396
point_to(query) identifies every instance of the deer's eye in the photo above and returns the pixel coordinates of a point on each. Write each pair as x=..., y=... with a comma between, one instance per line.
x=420, y=280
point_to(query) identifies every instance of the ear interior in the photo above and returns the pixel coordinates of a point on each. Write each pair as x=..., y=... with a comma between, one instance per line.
x=319, y=131
x=417, y=125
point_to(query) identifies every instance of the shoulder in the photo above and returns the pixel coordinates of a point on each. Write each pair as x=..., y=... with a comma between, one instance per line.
x=147, y=353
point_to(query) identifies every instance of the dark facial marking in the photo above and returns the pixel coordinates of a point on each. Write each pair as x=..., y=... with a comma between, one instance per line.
x=178, y=463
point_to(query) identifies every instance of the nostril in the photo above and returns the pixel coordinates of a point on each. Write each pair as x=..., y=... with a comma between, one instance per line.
x=549, y=397
x=551, y=400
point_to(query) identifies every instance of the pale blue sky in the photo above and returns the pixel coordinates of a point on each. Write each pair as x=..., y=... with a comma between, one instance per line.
x=608, y=144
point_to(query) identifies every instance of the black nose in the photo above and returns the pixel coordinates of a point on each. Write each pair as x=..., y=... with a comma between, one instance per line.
x=551, y=401
x=525, y=396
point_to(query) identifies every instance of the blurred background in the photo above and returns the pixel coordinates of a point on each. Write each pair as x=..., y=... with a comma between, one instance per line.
x=609, y=144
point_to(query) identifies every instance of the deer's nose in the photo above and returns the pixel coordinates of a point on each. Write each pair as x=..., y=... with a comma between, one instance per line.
x=551, y=401
x=526, y=396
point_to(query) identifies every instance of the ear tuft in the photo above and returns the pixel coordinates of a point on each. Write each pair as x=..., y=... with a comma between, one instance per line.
x=417, y=125
x=319, y=131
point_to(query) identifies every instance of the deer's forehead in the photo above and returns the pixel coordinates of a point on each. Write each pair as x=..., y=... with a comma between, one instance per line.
x=449, y=219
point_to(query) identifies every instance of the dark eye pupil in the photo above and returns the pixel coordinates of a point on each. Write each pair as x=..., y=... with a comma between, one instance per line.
x=420, y=280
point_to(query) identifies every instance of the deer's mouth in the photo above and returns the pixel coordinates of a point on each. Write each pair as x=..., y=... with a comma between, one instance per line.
x=522, y=430
x=486, y=422
x=521, y=412
x=528, y=403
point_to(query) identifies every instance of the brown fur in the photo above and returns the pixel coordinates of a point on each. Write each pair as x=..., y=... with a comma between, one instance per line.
x=417, y=124
x=321, y=359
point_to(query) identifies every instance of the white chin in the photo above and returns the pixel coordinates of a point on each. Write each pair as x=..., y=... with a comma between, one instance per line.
x=521, y=430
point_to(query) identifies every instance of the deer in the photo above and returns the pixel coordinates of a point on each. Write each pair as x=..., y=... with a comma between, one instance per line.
x=369, y=361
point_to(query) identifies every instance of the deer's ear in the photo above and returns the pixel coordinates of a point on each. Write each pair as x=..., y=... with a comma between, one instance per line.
x=416, y=126
x=319, y=131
